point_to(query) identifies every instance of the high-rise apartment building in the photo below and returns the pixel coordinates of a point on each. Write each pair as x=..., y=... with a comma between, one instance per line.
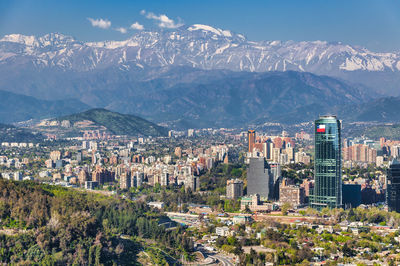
x=393, y=186
x=125, y=180
x=327, y=164
x=192, y=183
x=234, y=188
x=252, y=139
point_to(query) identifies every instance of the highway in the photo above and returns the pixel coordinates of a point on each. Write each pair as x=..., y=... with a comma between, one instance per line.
x=220, y=258
x=224, y=261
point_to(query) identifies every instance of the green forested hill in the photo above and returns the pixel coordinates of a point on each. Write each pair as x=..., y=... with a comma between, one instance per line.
x=386, y=131
x=120, y=124
x=50, y=225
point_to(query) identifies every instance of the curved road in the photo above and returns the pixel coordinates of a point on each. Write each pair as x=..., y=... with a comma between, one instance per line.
x=225, y=261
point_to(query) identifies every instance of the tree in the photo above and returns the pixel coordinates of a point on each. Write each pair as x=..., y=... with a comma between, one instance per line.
x=285, y=208
x=97, y=255
x=347, y=251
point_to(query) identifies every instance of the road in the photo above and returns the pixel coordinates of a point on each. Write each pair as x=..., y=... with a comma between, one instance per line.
x=219, y=257
x=225, y=261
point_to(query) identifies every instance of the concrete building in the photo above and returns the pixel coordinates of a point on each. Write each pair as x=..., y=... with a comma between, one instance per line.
x=294, y=195
x=91, y=184
x=234, y=188
x=125, y=180
x=222, y=231
x=55, y=155
x=254, y=203
x=164, y=180
x=192, y=182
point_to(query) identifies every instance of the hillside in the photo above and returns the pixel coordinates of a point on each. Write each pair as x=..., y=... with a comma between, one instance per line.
x=385, y=131
x=16, y=107
x=238, y=98
x=119, y=124
x=49, y=225
x=9, y=133
x=385, y=109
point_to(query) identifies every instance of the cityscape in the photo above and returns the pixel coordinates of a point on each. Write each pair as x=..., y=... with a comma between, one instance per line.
x=151, y=139
x=237, y=195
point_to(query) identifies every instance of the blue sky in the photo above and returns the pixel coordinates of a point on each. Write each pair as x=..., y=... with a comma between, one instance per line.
x=374, y=24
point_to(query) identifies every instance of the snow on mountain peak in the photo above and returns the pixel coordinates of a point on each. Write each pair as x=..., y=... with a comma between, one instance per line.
x=46, y=40
x=19, y=38
x=212, y=48
x=202, y=27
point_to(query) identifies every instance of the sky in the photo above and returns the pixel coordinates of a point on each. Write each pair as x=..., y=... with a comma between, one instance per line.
x=374, y=24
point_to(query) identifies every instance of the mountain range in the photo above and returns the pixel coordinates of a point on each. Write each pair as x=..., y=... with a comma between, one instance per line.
x=202, y=76
x=204, y=47
x=16, y=107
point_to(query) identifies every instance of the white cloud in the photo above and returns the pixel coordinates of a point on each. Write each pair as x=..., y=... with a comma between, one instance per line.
x=163, y=20
x=100, y=23
x=137, y=26
x=122, y=30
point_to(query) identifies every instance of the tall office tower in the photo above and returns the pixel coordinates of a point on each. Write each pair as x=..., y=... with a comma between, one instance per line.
x=276, y=175
x=252, y=139
x=259, y=178
x=327, y=163
x=393, y=186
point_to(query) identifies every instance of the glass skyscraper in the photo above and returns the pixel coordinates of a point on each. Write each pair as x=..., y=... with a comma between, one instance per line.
x=260, y=179
x=393, y=186
x=327, y=164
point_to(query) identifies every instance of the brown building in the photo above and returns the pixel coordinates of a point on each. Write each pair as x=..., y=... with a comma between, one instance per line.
x=55, y=155
x=251, y=139
x=83, y=177
x=291, y=194
x=359, y=153
x=226, y=159
x=178, y=152
x=102, y=175
x=114, y=159
x=308, y=185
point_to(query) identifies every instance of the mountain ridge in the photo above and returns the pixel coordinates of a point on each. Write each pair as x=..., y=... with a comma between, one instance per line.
x=117, y=123
x=204, y=47
x=17, y=107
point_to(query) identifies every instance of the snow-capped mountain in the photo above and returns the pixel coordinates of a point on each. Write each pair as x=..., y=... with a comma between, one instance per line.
x=203, y=74
x=199, y=46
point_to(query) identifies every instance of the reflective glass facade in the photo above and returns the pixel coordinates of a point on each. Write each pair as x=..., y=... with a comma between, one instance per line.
x=327, y=164
x=393, y=186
